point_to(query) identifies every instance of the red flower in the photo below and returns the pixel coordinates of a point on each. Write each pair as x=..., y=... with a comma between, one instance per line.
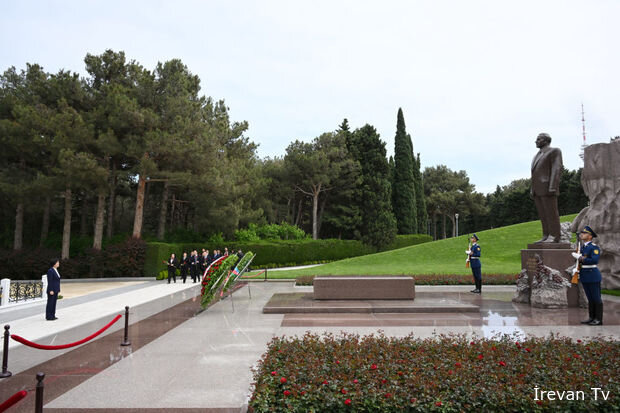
x=471, y=343
x=283, y=380
x=539, y=402
x=373, y=367
x=388, y=395
x=355, y=381
x=413, y=400
x=347, y=402
x=337, y=362
x=437, y=404
x=578, y=341
x=457, y=364
x=384, y=381
x=400, y=373
x=273, y=373
x=450, y=372
x=325, y=382
x=480, y=356
x=287, y=393
x=303, y=392
x=527, y=349
x=595, y=373
x=343, y=391
x=576, y=356
x=493, y=348
x=501, y=363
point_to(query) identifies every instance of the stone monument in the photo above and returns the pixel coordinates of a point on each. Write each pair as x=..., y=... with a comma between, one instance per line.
x=601, y=183
x=548, y=258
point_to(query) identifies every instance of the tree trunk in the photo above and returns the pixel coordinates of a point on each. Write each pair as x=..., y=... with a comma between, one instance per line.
x=174, y=198
x=18, y=239
x=98, y=236
x=83, y=216
x=112, y=202
x=45, y=227
x=453, y=225
x=315, y=212
x=161, y=229
x=137, y=221
x=443, y=225
x=435, y=227
x=66, y=231
x=298, y=218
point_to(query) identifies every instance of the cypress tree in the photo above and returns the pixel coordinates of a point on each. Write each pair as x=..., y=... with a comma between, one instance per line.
x=378, y=226
x=419, y=197
x=403, y=184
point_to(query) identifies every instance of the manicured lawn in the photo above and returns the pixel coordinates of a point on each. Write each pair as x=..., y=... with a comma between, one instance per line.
x=612, y=292
x=501, y=254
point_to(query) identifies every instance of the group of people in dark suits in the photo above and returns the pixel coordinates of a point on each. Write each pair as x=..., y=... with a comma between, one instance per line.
x=194, y=264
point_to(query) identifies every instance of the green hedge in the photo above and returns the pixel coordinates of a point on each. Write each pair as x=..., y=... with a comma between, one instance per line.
x=277, y=253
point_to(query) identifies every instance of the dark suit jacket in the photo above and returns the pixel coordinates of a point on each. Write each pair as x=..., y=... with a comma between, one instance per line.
x=546, y=171
x=53, y=281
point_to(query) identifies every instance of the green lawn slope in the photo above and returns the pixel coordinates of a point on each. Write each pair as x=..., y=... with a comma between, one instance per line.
x=501, y=254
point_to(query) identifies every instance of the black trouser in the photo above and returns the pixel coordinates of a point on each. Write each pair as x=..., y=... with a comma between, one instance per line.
x=172, y=273
x=477, y=272
x=193, y=272
x=183, y=274
x=50, y=308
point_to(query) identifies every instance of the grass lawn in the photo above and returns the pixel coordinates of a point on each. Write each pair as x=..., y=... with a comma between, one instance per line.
x=501, y=254
x=612, y=292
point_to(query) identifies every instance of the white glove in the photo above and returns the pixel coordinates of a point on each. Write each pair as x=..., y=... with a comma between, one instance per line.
x=468, y=252
x=575, y=255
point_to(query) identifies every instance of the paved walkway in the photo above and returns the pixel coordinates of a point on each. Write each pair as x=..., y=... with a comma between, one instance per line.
x=183, y=361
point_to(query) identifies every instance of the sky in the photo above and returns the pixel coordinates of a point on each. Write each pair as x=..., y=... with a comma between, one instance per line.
x=477, y=80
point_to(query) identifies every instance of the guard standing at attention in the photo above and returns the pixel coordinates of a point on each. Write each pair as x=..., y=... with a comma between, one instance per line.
x=53, y=288
x=475, y=264
x=590, y=276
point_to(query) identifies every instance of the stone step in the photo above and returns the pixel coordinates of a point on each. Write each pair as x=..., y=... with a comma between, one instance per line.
x=364, y=288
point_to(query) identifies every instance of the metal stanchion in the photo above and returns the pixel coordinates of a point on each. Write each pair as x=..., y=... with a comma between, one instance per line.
x=38, y=404
x=126, y=341
x=265, y=275
x=5, y=354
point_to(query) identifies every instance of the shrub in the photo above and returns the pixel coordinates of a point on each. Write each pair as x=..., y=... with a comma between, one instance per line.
x=246, y=235
x=440, y=279
x=276, y=253
x=126, y=259
x=442, y=373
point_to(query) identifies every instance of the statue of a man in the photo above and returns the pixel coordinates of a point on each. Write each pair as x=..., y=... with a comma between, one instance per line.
x=546, y=172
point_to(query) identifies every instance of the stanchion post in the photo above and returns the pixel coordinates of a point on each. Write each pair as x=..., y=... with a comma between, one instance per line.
x=5, y=354
x=126, y=341
x=265, y=274
x=38, y=404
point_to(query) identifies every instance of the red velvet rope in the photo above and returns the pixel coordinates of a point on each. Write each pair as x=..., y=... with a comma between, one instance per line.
x=253, y=276
x=13, y=399
x=63, y=346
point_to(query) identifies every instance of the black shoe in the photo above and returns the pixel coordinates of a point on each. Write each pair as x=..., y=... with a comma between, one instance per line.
x=590, y=313
x=474, y=290
x=52, y=319
x=598, y=315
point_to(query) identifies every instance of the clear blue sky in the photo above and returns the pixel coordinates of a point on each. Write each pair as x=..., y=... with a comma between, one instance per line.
x=477, y=80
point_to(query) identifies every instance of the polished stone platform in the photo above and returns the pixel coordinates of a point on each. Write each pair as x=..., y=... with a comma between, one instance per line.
x=364, y=288
x=304, y=303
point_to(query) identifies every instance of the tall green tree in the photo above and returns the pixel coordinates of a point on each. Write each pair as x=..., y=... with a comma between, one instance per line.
x=403, y=184
x=420, y=197
x=378, y=227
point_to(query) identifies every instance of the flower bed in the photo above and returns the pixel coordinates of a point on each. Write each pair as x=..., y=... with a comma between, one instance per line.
x=444, y=373
x=441, y=279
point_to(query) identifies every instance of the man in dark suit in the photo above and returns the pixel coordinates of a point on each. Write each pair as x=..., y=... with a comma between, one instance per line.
x=53, y=288
x=173, y=263
x=546, y=172
x=184, y=265
x=194, y=266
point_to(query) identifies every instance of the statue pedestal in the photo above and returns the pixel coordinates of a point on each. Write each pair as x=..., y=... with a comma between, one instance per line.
x=556, y=256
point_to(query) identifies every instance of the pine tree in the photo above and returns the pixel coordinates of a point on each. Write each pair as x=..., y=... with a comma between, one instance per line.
x=378, y=227
x=403, y=184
